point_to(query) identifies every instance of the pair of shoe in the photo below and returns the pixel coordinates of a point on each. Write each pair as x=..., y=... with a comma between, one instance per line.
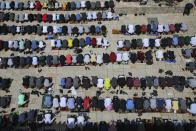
x=121, y=92
x=154, y=93
x=98, y=93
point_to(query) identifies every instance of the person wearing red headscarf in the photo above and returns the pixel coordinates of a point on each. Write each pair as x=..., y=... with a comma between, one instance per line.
x=45, y=17
x=112, y=57
x=38, y=5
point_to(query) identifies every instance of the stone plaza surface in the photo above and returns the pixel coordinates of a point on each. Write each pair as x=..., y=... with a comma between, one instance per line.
x=110, y=70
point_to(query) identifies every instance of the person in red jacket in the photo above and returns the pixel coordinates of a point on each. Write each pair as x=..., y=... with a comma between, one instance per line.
x=68, y=59
x=143, y=29
x=38, y=5
x=112, y=57
x=94, y=42
x=1, y=44
x=141, y=56
x=172, y=28
x=45, y=17
x=86, y=103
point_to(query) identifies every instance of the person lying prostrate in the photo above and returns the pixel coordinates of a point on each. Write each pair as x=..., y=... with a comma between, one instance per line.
x=47, y=118
x=192, y=109
x=125, y=57
x=100, y=83
x=119, y=58
x=145, y=42
x=99, y=59
x=131, y=29
x=159, y=54
x=86, y=58
x=120, y=44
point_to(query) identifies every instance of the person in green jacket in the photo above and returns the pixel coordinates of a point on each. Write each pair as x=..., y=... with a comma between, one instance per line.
x=21, y=99
x=21, y=46
x=107, y=83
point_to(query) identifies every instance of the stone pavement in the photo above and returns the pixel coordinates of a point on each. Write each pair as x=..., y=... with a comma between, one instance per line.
x=104, y=71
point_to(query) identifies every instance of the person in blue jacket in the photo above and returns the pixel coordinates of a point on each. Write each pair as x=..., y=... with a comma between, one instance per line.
x=88, y=41
x=130, y=104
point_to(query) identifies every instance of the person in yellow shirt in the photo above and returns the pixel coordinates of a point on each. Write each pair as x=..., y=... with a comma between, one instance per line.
x=175, y=106
x=70, y=43
x=64, y=5
x=45, y=5
x=93, y=58
x=107, y=84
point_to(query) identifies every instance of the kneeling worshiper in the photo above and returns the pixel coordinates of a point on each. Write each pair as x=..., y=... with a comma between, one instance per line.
x=100, y=83
x=125, y=57
x=107, y=83
x=48, y=118
x=63, y=101
x=105, y=43
x=100, y=59
x=120, y=44
x=108, y=103
x=192, y=109
x=119, y=57
x=86, y=58
x=131, y=29
x=159, y=55
x=71, y=124
x=193, y=41
x=21, y=99
x=81, y=121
